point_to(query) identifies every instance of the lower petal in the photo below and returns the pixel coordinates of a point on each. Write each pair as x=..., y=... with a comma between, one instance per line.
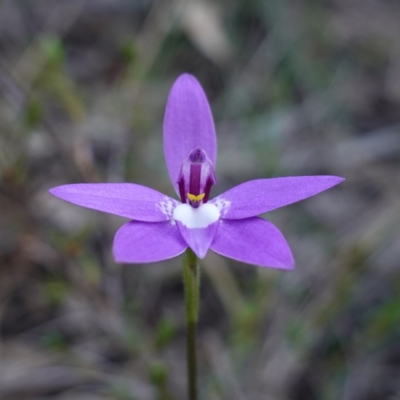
x=197, y=226
x=253, y=241
x=198, y=239
x=144, y=242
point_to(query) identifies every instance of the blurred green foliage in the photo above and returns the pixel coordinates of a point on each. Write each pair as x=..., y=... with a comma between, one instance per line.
x=296, y=88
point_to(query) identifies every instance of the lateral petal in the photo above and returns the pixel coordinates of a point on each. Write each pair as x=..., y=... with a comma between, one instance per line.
x=253, y=241
x=125, y=199
x=144, y=242
x=261, y=195
x=188, y=123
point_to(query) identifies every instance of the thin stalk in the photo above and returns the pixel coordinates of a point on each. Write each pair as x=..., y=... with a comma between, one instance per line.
x=191, y=281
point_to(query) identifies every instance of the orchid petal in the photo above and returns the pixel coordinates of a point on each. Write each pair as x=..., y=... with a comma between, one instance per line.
x=188, y=123
x=197, y=226
x=144, y=242
x=124, y=199
x=253, y=241
x=259, y=196
x=199, y=240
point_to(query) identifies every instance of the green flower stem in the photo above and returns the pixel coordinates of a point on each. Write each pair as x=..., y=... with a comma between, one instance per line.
x=191, y=281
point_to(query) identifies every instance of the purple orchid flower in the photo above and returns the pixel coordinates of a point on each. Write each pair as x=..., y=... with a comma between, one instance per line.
x=162, y=227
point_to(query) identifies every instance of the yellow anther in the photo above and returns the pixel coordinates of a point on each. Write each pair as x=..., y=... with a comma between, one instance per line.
x=197, y=198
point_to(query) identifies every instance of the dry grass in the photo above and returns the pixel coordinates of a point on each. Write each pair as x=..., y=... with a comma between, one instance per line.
x=296, y=87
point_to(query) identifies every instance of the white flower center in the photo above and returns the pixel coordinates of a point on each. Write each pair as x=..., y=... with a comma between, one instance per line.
x=200, y=217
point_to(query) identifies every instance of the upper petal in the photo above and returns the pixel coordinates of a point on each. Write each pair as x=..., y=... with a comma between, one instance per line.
x=144, y=242
x=188, y=123
x=253, y=241
x=124, y=199
x=261, y=195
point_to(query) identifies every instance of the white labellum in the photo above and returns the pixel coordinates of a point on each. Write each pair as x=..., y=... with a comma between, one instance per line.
x=200, y=217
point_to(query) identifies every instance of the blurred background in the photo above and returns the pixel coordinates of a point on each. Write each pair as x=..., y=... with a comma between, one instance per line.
x=297, y=88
